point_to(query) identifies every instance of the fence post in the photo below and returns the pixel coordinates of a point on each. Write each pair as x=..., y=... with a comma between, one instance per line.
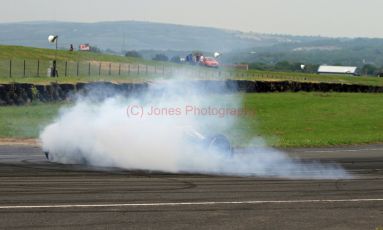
x=138, y=69
x=128, y=69
x=119, y=69
x=24, y=69
x=78, y=68
x=10, y=68
x=110, y=69
x=66, y=68
x=99, y=69
x=38, y=67
x=89, y=69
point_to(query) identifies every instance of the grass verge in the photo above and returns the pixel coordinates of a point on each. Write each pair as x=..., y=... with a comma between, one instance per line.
x=314, y=119
x=281, y=119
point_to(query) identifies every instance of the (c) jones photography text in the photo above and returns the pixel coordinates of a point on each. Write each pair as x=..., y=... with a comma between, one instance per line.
x=187, y=110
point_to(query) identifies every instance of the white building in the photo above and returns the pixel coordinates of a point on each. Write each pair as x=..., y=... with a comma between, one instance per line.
x=347, y=70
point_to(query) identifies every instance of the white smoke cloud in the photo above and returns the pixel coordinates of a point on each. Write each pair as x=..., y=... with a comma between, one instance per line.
x=120, y=132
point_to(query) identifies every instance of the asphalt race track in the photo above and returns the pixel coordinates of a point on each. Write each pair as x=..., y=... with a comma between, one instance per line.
x=36, y=194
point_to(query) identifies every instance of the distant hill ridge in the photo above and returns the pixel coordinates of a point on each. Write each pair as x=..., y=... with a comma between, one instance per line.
x=133, y=35
x=177, y=40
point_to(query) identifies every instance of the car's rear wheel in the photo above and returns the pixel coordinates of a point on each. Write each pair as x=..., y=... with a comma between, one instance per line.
x=220, y=143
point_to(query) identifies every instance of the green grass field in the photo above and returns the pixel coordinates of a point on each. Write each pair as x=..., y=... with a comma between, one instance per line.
x=90, y=63
x=26, y=121
x=307, y=77
x=282, y=119
x=314, y=119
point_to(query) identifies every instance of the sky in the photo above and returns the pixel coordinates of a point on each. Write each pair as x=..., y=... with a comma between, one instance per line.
x=334, y=18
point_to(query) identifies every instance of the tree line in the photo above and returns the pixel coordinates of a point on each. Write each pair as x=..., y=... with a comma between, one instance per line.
x=157, y=57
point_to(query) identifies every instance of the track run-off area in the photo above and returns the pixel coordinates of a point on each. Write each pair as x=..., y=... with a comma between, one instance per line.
x=37, y=194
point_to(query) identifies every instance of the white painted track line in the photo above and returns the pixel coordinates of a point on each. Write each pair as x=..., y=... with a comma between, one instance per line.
x=186, y=204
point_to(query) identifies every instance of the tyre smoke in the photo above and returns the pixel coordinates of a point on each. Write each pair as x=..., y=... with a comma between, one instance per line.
x=169, y=127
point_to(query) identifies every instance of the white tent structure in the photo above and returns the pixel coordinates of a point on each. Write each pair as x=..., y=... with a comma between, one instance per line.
x=347, y=70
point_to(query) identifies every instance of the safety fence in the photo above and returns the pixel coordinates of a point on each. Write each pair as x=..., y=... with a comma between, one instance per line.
x=30, y=68
x=17, y=68
x=40, y=68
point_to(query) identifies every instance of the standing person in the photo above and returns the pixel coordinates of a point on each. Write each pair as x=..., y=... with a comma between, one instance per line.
x=54, y=72
x=71, y=48
x=198, y=57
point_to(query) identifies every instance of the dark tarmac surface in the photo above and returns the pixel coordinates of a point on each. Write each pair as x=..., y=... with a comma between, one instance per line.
x=36, y=194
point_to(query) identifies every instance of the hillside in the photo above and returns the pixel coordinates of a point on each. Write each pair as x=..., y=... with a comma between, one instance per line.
x=341, y=51
x=132, y=35
x=177, y=40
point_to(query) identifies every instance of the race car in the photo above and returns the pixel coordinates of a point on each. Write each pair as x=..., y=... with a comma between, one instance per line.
x=217, y=144
x=197, y=58
x=210, y=62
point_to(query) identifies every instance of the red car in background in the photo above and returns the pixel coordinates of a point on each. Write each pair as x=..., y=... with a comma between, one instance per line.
x=210, y=62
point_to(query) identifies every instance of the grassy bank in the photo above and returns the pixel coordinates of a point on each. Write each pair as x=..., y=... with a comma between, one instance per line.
x=29, y=65
x=26, y=53
x=283, y=120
